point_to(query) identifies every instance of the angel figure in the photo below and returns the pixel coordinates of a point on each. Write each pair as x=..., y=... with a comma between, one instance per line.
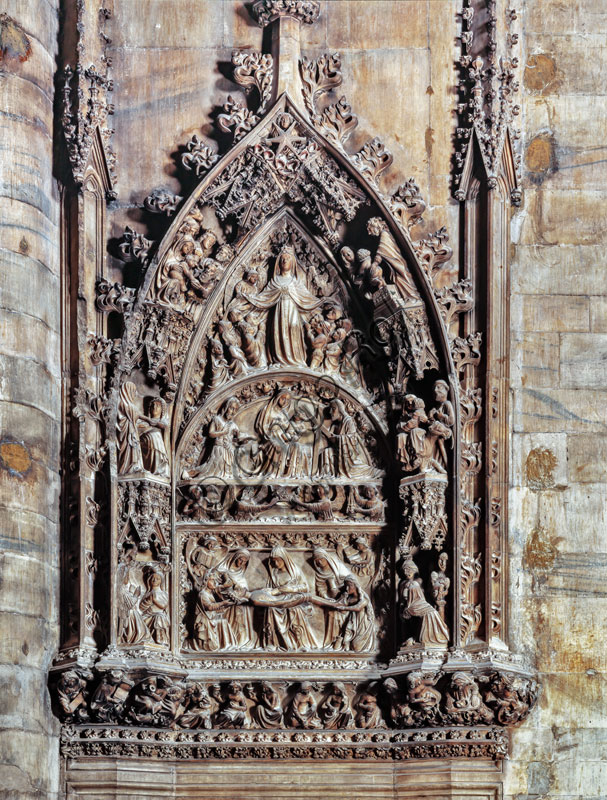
x=321, y=507
x=367, y=501
x=254, y=501
x=433, y=632
x=234, y=711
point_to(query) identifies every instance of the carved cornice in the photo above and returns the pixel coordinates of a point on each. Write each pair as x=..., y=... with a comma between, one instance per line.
x=266, y=11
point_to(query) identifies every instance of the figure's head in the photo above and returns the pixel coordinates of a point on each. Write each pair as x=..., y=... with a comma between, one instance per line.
x=364, y=256
x=251, y=276
x=375, y=226
x=321, y=492
x=286, y=260
x=320, y=562
x=278, y=563
x=156, y=407
x=441, y=391
x=209, y=240
x=409, y=569
x=442, y=561
x=187, y=247
x=241, y=559
x=216, y=347
x=154, y=580
x=211, y=543
x=231, y=407
x=347, y=255
x=283, y=399
x=234, y=316
x=211, y=580
x=360, y=544
x=414, y=679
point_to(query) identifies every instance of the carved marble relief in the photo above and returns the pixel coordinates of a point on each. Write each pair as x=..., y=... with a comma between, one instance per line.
x=285, y=454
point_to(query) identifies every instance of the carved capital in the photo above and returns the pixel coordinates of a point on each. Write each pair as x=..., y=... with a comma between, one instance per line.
x=266, y=11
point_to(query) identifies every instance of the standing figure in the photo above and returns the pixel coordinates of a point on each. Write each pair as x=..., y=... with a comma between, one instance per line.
x=151, y=436
x=153, y=607
x=299, y=455
x=131, y=627
x=286, y=297
x=411, y=439
x=389, y=253
x=239, y=615
x=442, y=420
x=268, y=711
x=440, y=584
x=211, y=628
x=330, y=575
x=433, y=632
x=231, y=339
x=318, y=331
x=130, y=459
x=287, y=627
x=301, y=712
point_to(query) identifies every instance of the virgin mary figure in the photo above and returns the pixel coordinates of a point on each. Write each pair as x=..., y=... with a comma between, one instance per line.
x=285, y=297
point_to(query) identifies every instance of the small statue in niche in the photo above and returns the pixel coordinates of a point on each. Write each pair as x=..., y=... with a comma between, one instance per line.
x=440, y=584
x=301, y=711
x=234, y=711
x=130, y=459
x=388, y=253
x=433, y=632
x=198, y=708
x=268, y=712
x=286, y=625
x=367, y=711
x=335, y=710
x=153, y=607
x=109, y=700
x=147, y=699
x=212, y=630
x=151, y=435
x=220, y=372
x=131, y=626
x=442, y=420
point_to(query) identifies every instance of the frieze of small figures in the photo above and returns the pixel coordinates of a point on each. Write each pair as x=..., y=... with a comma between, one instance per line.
x=419, y=700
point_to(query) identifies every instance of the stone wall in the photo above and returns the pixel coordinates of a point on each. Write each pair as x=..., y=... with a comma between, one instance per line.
x=29, y=401
x=558, y=502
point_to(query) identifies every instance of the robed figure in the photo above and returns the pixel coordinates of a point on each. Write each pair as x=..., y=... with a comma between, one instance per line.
x=286, y=297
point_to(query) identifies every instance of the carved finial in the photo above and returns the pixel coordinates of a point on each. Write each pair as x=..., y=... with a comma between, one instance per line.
x=266, y=11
